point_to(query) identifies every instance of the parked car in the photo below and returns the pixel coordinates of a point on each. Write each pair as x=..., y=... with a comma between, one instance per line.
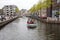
x=31, y=23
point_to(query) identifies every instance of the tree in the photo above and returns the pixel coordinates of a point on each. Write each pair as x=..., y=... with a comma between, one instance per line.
x=32, y=9
x=17, y=10
x=40, y=5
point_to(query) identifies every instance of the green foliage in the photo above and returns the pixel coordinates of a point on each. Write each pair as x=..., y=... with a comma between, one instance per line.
x=32, y=9
x=40, y=5
x=17, y=10
x=58, y=13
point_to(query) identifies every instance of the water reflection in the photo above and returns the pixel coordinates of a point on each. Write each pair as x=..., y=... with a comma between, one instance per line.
x=18, y=30
x=17, y=20
x=51, y=31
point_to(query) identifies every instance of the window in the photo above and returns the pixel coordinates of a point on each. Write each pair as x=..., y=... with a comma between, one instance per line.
x=54, y=13
x=11, y=8
x=11, y=12
x=58, y=1
x=7, y=12
x=6, y=6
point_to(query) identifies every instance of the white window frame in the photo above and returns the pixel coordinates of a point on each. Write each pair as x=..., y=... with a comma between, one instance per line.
x=58, y=1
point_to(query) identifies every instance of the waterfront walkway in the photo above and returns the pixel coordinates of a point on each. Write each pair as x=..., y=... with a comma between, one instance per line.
x=48, y=20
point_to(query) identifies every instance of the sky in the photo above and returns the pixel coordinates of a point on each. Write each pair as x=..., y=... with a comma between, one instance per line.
x=21, y=4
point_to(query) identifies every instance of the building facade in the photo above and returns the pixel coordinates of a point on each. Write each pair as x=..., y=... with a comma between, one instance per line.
x=1, y=12
x=23, y=12
x=9, y=10
x=54, y=8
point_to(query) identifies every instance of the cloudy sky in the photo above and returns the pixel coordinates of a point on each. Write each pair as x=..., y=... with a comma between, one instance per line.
x=22, y=4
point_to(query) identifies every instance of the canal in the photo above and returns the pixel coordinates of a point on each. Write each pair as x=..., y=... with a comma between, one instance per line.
x=17, y=30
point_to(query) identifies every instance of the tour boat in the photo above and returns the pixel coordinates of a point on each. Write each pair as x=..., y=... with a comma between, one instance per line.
x=31, y=23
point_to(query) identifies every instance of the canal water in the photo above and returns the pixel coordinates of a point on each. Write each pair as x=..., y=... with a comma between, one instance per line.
x=17, y=30
x=51, y=30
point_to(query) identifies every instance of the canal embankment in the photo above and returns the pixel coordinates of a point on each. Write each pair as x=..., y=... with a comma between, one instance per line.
x=3, y=23
x=48, y=20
